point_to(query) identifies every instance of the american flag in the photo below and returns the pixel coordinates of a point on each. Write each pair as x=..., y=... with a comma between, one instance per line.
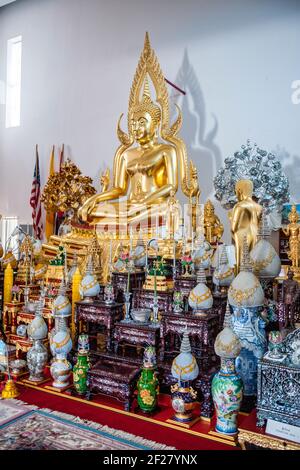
x=35, y=200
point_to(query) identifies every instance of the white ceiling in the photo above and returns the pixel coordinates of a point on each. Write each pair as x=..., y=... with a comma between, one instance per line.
x=4, y=2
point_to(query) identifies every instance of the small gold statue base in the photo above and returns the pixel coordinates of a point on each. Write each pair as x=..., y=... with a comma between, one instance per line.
x=10, y=390
x=187, y=425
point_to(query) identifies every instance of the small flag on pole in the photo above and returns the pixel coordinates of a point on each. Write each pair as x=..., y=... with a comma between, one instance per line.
x=35, y=199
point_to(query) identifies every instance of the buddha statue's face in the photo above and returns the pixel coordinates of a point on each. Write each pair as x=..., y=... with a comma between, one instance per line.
x=143, y=127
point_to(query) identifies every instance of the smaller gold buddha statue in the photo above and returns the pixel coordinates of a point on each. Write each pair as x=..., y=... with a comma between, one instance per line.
x=212, y=226
x=293, y=231
x=173, y=214
x=245, y=218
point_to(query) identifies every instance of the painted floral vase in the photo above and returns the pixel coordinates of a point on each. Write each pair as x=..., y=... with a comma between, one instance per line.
x=227, y=393
x=148, y=389
x=37, y=357
x=60, y=371
x=183, y=401
x=80, y=371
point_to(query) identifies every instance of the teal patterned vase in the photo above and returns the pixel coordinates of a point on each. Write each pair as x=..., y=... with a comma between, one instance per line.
x=227, y=393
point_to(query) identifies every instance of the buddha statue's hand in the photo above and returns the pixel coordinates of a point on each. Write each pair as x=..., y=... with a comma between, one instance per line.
x=87, y=208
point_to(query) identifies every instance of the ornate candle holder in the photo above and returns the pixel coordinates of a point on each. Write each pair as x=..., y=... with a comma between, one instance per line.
x=275, y=344
x=155, y=309
x=127, y=296
x=109, y=297
x=26, y=291
x=178, y=302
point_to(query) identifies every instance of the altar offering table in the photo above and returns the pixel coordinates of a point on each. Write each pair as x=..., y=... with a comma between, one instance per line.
x=115, y=378
x=100, y=313
x=139, y=335
x=202, y=330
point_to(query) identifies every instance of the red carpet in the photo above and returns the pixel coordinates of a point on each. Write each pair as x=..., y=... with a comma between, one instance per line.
x=182, y=439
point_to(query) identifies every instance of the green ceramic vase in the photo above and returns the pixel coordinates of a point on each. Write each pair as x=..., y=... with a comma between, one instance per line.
x=148, y=389
x=80, y=371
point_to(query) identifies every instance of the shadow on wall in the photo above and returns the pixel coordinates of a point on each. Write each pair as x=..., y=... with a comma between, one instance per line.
x=200, y=142
x=291, y=166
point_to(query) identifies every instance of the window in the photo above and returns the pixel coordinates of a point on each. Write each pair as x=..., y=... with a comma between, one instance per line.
x=9, y=235
x=13, y=82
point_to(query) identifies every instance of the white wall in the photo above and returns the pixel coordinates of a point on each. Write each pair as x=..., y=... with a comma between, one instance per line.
x=79, y=57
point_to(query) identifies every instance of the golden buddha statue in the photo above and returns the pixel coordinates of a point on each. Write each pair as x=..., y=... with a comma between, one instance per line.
x=212, y=225
x=149, y=166
x=292, y=230
x=245, y=218
x=146, y=173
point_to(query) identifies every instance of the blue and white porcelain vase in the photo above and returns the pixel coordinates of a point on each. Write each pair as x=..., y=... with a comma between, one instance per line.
x=227, y=386
x=246, y=298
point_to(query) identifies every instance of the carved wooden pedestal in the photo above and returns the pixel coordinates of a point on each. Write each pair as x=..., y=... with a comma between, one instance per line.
x=98, y=312
x=144, y=299
x=202, y=329
x=185, y=284
x=114, y=378
x=136, y=335
x=202, y=333
x=120, y=282
x=9, y=317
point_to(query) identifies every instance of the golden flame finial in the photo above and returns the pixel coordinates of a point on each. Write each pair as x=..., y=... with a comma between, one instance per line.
x=147, y=46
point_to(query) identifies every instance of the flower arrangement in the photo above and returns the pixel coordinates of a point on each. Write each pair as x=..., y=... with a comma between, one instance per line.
x=52, y=291
x=16, y=289
x=125, y=257
x=186, y=260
